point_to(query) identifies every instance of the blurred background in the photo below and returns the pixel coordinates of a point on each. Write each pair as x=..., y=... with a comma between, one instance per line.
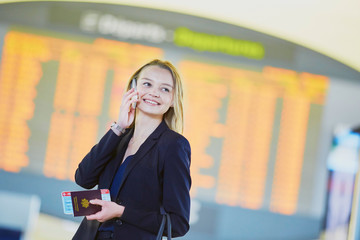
x=272, y=93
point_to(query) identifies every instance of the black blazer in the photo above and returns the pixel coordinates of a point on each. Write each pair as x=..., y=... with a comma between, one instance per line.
x=158, y=174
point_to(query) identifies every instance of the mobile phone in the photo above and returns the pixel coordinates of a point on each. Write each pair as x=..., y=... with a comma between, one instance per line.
x=133, y=85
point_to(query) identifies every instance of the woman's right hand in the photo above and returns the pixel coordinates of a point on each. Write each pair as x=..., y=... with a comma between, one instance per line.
x=127, y=112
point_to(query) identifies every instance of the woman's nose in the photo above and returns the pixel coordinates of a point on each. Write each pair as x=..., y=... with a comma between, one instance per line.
x=154, y=93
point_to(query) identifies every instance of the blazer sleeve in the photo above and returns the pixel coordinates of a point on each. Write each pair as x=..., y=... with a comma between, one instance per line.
x=176, y=187
x=88, y=172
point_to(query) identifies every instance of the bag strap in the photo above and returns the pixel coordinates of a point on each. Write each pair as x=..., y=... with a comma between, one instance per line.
x=168, y=226
x=165, y=219
x=165, y=215
x=161, y=229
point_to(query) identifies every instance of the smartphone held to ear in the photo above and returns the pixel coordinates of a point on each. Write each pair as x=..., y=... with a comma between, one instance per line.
x=133, y=85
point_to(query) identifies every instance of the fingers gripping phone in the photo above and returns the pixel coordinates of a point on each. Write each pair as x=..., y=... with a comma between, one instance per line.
x=133, y=85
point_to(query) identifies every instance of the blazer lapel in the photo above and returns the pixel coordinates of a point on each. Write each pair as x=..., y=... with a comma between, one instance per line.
x=114, y=165
x=144, y=148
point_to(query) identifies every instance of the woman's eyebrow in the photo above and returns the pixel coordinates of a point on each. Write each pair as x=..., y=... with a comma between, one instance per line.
x=166, y=84
x=148, y=79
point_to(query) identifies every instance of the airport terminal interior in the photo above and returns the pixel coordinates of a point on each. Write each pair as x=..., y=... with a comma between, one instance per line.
x=273, y=124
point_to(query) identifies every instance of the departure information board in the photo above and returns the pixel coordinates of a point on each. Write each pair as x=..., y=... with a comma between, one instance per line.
x=249, y=127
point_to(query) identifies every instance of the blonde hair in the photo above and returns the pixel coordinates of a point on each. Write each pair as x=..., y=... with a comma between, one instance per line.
x=174, y=117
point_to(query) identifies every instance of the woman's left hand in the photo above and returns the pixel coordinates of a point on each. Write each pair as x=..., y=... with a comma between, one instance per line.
x=108, y=211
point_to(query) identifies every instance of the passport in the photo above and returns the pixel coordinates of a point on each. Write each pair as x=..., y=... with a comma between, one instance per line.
x=78, y=202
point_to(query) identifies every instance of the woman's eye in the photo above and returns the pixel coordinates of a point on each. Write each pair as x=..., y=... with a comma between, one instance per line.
x=147, y=84
x=166, y=90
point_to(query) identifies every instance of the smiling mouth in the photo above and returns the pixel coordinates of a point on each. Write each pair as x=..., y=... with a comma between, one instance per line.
x=151, y=102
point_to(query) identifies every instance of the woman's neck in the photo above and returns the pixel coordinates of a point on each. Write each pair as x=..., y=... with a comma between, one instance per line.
x=145, y=125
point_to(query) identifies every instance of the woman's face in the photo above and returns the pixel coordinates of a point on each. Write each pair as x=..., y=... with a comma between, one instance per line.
x=156, y=91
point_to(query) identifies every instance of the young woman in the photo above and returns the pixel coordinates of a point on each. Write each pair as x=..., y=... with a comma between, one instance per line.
x=144, y=161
